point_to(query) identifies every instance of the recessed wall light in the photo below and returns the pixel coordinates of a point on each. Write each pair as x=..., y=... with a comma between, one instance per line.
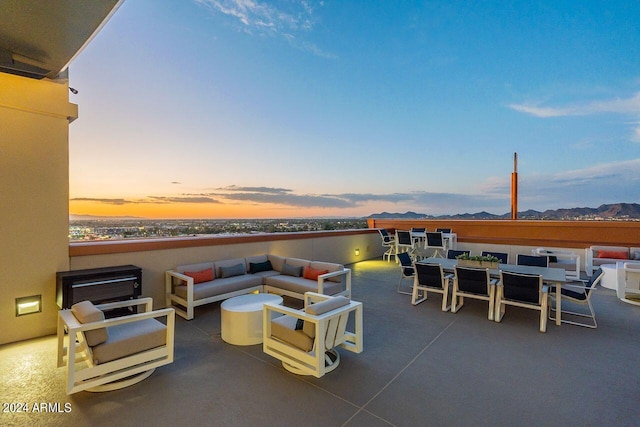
x=28, y=305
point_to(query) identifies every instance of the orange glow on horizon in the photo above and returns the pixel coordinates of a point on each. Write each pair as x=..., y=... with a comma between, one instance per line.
x=195, y=210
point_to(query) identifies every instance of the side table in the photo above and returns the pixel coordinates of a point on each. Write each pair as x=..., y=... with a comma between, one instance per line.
x=241, y=318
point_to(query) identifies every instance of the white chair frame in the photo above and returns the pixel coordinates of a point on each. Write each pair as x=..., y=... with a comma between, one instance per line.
x=457, y=299
x=586, y=301
x=567, y=260
x=389, y=243
x=404, y=247
x=330, y=332
x=628, y=289
x=542, y=306
x=118, y=373
x=419, y=288
x=403, y=276
x=439, y=251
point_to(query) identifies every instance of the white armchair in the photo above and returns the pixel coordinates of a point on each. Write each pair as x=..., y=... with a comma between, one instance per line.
x=628, y=282
x=306, y=340
x=116, y=352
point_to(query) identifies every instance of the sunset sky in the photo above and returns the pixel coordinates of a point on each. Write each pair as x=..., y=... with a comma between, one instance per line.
x=249, y=108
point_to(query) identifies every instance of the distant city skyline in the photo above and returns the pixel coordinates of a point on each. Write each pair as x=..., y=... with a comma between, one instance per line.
x=264, y=109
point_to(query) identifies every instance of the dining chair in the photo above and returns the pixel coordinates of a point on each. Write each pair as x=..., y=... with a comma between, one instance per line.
x=430, y=278
x=473, y=283
x=502, y=256
x=522, y=290
x=388, y=242
x=417, y=240
x=436, y=242
x=576, y=293
x=404, y=243
x=406, y=270
x=444, y=230
x=533, y=261
x=453, y=253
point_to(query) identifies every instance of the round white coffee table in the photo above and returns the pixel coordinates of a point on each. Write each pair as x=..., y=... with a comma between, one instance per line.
x=610, y=276
x=241, y=318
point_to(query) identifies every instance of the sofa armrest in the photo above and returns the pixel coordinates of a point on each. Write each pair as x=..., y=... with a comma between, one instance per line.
x=169, y=282
x=346, y=272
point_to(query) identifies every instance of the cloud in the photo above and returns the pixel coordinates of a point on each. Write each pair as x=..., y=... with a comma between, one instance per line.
x=613, y=182
x=257, y=189
x=180, y=199
x=293, y=200
x=105, y=201
x=602, y=183
x=289, y=20
x=624, y=106
x=628, y=106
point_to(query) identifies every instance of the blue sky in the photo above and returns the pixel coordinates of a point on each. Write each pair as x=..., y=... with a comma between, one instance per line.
x=218, y=108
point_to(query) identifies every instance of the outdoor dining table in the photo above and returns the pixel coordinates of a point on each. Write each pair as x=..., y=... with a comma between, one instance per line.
x=553, y=276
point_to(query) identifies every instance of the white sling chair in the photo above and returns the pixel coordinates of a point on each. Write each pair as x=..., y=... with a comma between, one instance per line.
x=306, y=340
x=104, y=355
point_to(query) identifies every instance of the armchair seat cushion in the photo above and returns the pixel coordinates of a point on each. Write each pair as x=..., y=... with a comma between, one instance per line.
x=130, y=338
x=284, y=329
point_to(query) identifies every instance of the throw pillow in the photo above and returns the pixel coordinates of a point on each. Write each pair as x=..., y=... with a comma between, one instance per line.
x=312, y=274
x=636, y=255
x=234, y=270
x=613, y=254
x=290, y=270
x=256, y=267
x=200, y=276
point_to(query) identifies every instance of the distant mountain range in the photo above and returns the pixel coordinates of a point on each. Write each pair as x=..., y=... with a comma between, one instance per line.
x=617, y=211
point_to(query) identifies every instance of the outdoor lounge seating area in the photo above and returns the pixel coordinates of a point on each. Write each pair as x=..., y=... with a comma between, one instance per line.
x=415, y=361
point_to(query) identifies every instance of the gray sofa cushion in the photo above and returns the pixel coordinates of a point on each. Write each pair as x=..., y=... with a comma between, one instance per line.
x=220, y=286
x=130, y=338
x=298, y=262
x=276, y=261
x=86, y=312
x=301, y=285
x=291, y=270
x=229, y=263
x=233, y=270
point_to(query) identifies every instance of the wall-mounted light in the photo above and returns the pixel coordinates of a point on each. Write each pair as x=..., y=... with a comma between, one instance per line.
x=28, y=305
x=356, y=251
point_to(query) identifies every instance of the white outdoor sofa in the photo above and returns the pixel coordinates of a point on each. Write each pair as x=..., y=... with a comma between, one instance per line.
x=218, y=280
x=598, y=255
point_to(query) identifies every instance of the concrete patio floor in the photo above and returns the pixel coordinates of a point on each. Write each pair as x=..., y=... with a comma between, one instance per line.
x=420, y=366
